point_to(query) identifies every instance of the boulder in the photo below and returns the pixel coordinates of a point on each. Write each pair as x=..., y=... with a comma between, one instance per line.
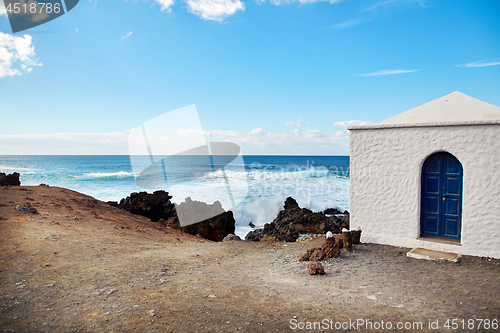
x=158, y=208
x=214, y=228
x=231, y=237
x=10, y=179
x=255, y=235
x=331, y=211
x=314, y=268
x=154, y=206
x=293, y=220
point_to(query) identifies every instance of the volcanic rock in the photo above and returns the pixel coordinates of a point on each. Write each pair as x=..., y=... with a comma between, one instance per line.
x=314, y=268
x=307, y=256
x=231, y=237
x=214, y=228
x=255, y=235
x=331, y=211
x=27, y=208
x=293, y=220
x=329, y=249
x=317, y=255
x=154, y=206
x=347, y=239
x=10, y=179
x=356, y=236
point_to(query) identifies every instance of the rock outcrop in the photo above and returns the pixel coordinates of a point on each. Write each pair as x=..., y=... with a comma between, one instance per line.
x=158, y=208
x=214, y=228
x=10, y=179
x=154, y=206
x=293, y=220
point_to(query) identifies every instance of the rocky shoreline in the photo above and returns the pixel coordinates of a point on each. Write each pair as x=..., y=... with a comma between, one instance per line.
x=288, y=226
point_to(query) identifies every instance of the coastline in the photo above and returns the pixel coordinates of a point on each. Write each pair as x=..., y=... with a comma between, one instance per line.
x=80, y=264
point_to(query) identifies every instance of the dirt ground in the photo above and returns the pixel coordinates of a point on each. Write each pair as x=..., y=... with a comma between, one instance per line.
x=81, y=265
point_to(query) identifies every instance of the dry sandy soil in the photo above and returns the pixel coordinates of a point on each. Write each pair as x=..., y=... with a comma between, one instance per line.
x=83, y=266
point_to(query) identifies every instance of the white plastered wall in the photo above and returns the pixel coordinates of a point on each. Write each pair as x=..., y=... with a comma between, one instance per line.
x=386, y=168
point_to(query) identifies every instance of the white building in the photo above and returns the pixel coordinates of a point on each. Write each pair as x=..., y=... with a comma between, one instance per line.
x=430, y=177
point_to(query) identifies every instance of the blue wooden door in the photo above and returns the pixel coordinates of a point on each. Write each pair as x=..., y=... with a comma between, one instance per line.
x=441, y=206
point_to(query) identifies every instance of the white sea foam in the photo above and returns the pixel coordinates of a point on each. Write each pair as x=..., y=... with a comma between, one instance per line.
x=10, y=169
x=271, y=175
x=105, y=175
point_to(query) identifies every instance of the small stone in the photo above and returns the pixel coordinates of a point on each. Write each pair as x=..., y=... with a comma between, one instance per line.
x=231, y=237
x=314, y=268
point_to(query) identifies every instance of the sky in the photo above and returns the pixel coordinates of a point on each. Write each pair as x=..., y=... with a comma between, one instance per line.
x=273, y=76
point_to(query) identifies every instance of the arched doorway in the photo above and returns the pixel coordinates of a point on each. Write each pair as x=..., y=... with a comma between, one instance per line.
x=441, y=205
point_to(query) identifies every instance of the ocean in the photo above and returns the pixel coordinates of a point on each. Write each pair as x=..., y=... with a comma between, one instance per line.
x=258, y=187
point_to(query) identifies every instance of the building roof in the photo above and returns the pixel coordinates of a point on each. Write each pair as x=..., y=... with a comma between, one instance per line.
x=454, y=107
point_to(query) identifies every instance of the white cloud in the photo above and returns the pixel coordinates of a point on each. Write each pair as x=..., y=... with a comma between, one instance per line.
x=480, y=64
x=215, y=10
x=345, y=124
x=165, y=5
x=296, y=141
x=127, y=35
x=347, y=24
x=390, y=72
x=17, y=54
x=256, y=141
x=385, y=3
x=65, y=143
x=286, y=2
x=297, y=124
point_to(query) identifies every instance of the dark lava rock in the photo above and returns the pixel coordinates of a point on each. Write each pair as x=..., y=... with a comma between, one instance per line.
x=159, y=208
x=11, y=179
x=331, y=211
x=314, y=268
x=293, y=220
x=154, y=206
x=214, y=228
x=112, y=203
x=255, y=235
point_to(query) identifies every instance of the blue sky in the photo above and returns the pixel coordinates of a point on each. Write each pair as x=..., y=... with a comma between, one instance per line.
x=276, y=77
